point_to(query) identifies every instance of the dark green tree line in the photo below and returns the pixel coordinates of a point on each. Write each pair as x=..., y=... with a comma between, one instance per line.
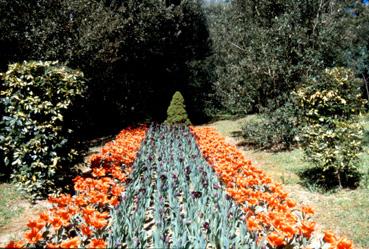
x=264, y=49
x=134, y=54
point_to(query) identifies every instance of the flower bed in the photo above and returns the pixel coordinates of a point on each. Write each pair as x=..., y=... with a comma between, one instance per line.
x=168, y=196
x=82, y=220
x=275, y=217
x=175, y=199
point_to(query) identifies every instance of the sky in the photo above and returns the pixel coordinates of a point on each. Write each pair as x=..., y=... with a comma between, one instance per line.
x=366, y=1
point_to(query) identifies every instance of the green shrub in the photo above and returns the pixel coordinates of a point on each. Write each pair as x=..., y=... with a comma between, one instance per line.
x=176, y=113
x=37, y=146
x=275, y=130
x=332, y=134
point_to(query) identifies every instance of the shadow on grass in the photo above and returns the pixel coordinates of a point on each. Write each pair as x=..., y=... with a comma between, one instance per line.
x=317, y=179
x=238, y=134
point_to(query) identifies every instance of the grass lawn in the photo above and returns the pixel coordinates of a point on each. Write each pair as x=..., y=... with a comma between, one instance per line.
x=345, y=212
x=9, y=197
x=15, y=211
x=12, y=210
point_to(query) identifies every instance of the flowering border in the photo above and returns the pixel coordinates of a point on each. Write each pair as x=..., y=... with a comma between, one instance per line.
x=83, y=220
x=270, y=213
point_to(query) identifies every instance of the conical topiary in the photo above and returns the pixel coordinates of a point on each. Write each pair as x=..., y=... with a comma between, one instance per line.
x=176, y=113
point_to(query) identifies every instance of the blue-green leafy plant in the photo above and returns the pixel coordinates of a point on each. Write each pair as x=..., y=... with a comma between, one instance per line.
x=176, y=200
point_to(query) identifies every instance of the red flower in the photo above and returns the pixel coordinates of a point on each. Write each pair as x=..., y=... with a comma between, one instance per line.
x=344, y=244
x=38, y=224
x=307, y=228
x=33, y=236
x=51, y=245
x=71, y=243
x=97, y=243
x=15, y=244
x=98, y=172
x=276, y=239
x=329, y=237
x=86, y=230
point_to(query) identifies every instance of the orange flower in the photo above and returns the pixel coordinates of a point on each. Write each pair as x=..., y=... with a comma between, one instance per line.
x=97, y=243
x=15, y=244
x=329, y=237
x=97, y=223
x=307, y=210
x=71, y=243
x=88, y=210
x=86, y=230
x=117, y=173
x=99, y=198
x=288, y=230
x=51, y=245
x=114, y=201
x=64, y=215
x=290, y=203
x=44, y=216
x=80, y=201
x=56, y=222
x=62, y=201
x=95, y=160
x=38, y=224
x=33, y=236
x=344, y=244
x=98, y=172
x=89, y=190
x=276, y=239
x=102, y=215
x=307, y=228
x=117, y=190
x=252, y=224
x=242, y=181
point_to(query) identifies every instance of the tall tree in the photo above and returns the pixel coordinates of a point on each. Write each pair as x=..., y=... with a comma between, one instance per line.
x=268, y=47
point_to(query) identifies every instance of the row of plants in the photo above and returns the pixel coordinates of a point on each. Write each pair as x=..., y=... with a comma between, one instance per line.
x=275, y=217
x=83, y=220
x=176, y=199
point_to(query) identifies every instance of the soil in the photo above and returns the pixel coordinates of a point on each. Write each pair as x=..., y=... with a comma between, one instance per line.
x=15, y=228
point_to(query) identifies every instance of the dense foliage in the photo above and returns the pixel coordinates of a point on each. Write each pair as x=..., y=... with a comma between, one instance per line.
x=176, y=113
x=274, y=130
x=257, y=52
x=36, y=140
x=134, y=53
x=332, y=137
x=264, y=49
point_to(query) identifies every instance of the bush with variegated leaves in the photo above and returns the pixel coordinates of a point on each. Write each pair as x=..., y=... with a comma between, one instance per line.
x=37, y=144
x=332, y=135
